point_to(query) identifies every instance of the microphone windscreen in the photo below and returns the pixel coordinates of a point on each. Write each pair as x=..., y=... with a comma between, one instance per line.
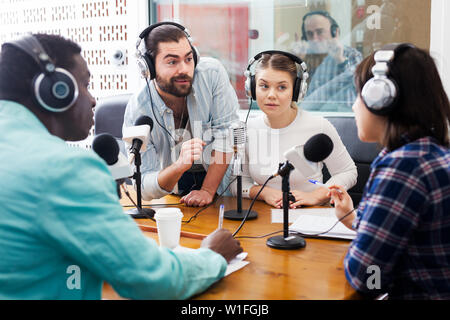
x=318, y=148
x=106, y=146
x=144, y=120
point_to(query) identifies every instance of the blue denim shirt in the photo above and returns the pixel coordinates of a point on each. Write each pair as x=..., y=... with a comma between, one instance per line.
x=331, y=86
x=212, y=106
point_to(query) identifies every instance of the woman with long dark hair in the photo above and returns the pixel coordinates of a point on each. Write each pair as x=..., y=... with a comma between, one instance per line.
x=402, y=245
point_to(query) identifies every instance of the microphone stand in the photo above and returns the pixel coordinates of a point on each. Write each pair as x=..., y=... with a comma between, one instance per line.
x=286, y=241
x=238, y=214
x=139, y=212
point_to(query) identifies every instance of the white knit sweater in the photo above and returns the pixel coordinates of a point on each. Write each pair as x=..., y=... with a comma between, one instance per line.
x=265, y=148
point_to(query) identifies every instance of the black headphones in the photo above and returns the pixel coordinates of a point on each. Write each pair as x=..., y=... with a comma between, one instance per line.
x=380, y=93
x=146, y=62
x=300, y=85
x=55, y=89
x=333, y=28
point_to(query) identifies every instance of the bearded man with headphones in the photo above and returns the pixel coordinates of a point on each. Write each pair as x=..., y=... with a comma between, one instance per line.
x=330, y=62
x=192, y=103
x=62, y=229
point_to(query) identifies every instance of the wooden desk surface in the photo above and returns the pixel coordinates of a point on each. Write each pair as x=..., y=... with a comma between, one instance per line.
x=313, y=272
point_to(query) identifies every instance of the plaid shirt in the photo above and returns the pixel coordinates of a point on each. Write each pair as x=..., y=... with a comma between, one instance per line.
x=331, y=87
x=403, y=224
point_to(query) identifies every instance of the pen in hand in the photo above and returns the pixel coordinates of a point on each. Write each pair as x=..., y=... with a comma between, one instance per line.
x=321, y=184
x=221, y=211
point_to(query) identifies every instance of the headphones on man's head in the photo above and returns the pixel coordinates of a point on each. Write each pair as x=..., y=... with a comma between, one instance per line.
x=55, y=89
x=146, y=62
x=380, y=93
x=333, y=28
x=300, y=85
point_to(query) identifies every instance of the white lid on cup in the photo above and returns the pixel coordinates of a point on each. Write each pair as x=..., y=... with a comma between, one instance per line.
x=168, y=213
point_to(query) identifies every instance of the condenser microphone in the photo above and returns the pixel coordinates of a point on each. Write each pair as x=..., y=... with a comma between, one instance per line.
x=239, y=132
x=106, y=146
x=305, y=158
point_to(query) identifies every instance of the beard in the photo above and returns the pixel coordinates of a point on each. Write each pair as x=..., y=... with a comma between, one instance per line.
x=173, y=88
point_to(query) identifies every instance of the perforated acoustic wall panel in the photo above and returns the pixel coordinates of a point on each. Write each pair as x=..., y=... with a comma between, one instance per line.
x=106, y=30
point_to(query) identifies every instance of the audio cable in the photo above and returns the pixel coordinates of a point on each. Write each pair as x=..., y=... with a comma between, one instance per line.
x=299, y=233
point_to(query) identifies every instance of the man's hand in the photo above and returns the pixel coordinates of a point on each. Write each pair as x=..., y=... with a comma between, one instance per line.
x=300, y=48
x=191, y=150
x=336, y=50
x=197, y=198
x=222, y=242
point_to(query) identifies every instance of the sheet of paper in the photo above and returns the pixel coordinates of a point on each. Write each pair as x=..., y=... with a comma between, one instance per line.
x=237, y=263
x=294, y=214
x=317, y=223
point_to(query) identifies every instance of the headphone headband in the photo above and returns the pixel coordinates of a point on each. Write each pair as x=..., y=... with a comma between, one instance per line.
x=300, y=85
x=33, y=48
x=287, y=54
x=333, y=24
x=149, y=29
x=146, y=62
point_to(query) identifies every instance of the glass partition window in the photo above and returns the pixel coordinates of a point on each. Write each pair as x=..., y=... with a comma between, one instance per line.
x=331, y=36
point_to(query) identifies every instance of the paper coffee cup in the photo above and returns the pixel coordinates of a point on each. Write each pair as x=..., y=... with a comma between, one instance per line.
x=168, y=222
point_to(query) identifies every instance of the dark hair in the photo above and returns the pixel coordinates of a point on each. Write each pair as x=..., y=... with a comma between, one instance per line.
x=163, y=33
x=422, y=108
x=17, y=69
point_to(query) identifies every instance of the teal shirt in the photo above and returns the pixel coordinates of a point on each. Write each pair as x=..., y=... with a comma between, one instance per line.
x=63, y=231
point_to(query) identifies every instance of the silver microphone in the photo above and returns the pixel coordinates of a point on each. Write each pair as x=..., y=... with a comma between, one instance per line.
x=239, y=131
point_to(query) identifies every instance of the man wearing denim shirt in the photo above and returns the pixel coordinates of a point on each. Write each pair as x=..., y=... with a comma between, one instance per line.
x=192, y=104
x=330, y=64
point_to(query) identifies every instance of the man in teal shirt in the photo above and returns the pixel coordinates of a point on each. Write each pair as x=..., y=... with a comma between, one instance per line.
x=62, y=229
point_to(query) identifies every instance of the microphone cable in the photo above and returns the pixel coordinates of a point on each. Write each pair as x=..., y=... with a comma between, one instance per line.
x=125, y=190
x=249, y=108
x=153, y=111
x=299, y=233
x=194, y=216
x=251, y=205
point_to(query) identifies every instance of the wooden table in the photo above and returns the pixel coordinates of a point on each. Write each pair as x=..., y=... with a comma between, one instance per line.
x=313, y=272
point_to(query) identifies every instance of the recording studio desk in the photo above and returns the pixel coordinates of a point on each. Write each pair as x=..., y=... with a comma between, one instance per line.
x=313, y=272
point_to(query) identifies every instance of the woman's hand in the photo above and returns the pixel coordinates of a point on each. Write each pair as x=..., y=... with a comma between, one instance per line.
x=315, y=198
x=343, y=205
x=272, y=197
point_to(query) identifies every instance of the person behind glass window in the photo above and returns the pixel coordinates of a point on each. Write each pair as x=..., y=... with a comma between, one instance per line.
x=403, y=219
x=282, y=126
x=330, y=62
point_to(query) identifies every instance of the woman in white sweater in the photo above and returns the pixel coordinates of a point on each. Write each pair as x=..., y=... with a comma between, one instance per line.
x=283, y=126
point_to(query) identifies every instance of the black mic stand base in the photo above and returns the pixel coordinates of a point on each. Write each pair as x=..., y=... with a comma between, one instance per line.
x=290, y=243
x=143, y=213
x=236, y=215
